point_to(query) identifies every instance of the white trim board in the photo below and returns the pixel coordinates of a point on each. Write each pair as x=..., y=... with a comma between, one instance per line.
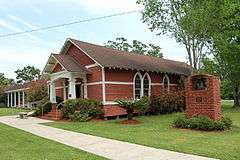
x=110, y=82
x=92, y=65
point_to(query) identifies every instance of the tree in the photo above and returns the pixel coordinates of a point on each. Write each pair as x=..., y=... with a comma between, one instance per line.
x=138, y=47
x=27, y=74
x=211, y=66
x=140, y=105
x=37, y=91
x=5, y=81
x=166, y=17
x=218, y=22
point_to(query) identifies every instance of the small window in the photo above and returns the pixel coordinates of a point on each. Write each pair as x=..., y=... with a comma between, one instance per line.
x=166, y=83
x=146, y=85
x=138, y=87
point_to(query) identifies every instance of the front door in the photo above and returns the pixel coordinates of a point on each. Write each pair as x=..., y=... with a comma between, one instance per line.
x=78, y=90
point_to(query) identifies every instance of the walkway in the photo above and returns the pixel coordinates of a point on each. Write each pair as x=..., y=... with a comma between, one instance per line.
x=112, y=149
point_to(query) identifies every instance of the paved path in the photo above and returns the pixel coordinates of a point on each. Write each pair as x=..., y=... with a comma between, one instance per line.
x=112, y=149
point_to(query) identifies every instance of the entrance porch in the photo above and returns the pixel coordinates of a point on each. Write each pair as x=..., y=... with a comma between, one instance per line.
x=65, y=85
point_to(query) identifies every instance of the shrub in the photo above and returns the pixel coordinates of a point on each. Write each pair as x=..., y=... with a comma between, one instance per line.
x=46, y=107
x=167, y=103
x=202, y=123
x=80, y=117
x=89, y=107
x=140, y=105
x=69, y=107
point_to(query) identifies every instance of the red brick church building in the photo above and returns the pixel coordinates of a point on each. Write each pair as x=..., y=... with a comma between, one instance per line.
x=84, y=70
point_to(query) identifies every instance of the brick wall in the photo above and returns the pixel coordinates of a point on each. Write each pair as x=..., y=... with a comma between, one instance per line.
x=81, y=57
x=204, y=102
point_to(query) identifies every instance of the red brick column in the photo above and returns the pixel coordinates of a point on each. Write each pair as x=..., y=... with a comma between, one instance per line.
x=203, y=102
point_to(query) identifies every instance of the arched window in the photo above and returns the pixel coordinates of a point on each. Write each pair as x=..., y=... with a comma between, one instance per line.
x=146, y=85
x=166, y=83
x=137, y=85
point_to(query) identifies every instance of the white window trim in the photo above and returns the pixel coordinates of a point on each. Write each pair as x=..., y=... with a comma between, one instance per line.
x=168, y=82
x=149, y=85
x=138, y=73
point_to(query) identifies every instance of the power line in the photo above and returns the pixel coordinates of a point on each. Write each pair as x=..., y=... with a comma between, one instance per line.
x=68, y=24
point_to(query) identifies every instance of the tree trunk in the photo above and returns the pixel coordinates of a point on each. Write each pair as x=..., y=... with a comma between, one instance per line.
x=130, y=114
x=237, y=97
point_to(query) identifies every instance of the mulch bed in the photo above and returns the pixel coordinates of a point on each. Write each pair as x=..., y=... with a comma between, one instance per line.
x=130, y=122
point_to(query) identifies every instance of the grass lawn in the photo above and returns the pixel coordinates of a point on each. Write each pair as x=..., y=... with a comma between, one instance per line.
x=16, y=144
x=156, y=131
x=11, y=111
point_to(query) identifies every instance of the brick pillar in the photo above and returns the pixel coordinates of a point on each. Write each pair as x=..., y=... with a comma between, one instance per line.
x=203, y=101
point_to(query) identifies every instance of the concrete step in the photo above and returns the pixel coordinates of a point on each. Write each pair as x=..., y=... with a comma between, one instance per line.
x=50, y=118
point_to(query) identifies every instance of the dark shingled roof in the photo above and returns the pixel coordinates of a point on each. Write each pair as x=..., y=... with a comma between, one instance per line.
x=22, y=86
x=69, y=63
x=113, y=58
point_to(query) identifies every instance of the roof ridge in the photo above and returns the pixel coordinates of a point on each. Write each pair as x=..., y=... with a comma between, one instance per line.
x=126, y=52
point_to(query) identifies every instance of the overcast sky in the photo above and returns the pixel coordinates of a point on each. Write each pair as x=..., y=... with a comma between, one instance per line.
x=35, y=48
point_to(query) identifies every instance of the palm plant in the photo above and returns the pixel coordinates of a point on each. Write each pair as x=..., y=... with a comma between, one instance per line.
x=140, y=105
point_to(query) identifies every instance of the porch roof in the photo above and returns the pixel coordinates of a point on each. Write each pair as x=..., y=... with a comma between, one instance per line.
x=69, y=63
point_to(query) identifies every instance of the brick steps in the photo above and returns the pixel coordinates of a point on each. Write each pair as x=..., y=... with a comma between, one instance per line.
x=53, y=115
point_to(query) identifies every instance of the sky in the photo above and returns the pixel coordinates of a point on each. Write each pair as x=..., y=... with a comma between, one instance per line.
x=34, y=48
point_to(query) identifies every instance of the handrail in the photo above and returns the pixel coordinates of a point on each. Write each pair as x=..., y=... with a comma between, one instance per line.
x=57, y=107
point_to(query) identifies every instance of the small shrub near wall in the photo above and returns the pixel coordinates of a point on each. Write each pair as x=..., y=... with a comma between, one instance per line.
x=81, y=109
x=167, y=103
x=202, y=123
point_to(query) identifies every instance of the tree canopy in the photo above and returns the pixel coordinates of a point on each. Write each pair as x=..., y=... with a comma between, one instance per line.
x=136, y=46
x=5, y=81
x=218, y=22
x=27, y=74
x=167, y=17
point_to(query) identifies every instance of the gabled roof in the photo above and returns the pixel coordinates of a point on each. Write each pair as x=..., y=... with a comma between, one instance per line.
x=113, y=58
x=66, y=61
x=69, y=63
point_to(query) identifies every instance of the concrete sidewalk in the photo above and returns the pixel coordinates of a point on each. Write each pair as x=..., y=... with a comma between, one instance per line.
x=108, y=148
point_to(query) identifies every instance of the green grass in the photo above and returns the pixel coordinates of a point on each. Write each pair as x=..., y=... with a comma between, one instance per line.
x=16, y=144
x=156, y=131
x=11, y=111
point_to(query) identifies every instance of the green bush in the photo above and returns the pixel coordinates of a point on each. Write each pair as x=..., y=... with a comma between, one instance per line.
x=80, y=117
x=167, y=103
x=46, y=107
x=69, y=107
x=140, y=105
x=202, y=123
x=89, y=107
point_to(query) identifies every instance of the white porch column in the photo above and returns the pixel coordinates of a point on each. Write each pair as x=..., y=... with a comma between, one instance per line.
x=19, y=99
x=23, y=99
x=72, y=89
x=52, y=93
x=85, y=88
x=15, y=99
x=11, y=102
x=8, y=96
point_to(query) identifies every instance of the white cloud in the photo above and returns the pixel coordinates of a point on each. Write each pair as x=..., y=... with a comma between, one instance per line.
x=20, y=20
x=109, y=5
x=6, y=25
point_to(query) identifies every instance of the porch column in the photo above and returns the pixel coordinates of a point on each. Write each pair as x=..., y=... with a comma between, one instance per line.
x=23, y=99
x=11, y=102
x=52, y=93
x=85, y=87
x=8, y=99
x=15, y=99
x=72, y=89
x=19, y=99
